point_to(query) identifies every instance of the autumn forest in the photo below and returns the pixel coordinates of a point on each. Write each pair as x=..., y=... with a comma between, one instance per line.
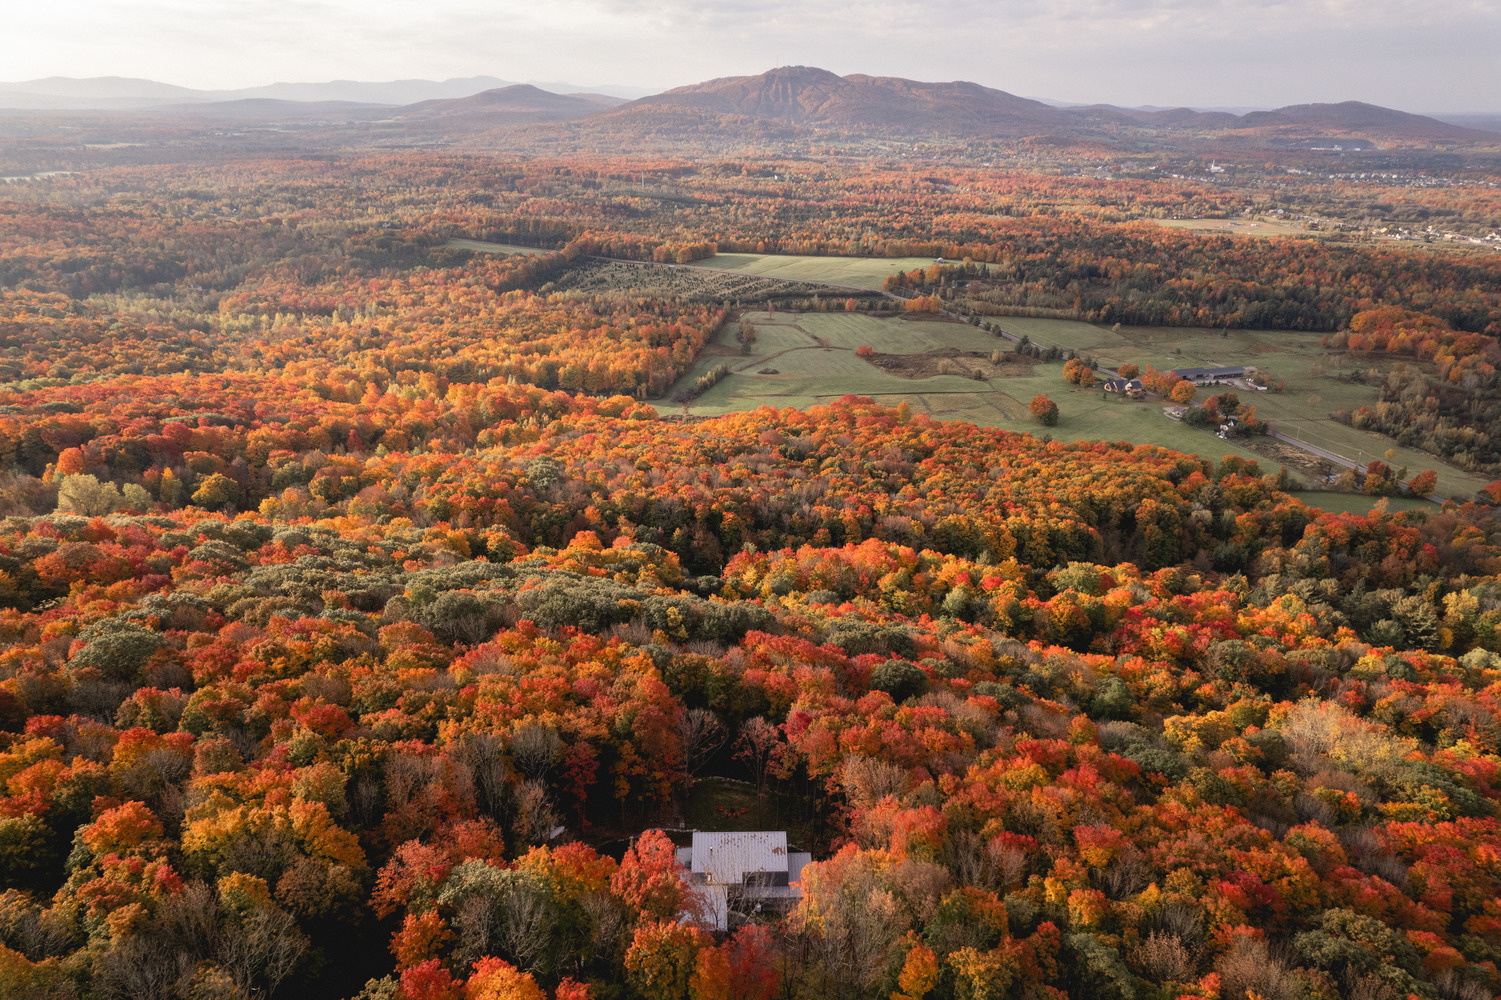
x=375, y=622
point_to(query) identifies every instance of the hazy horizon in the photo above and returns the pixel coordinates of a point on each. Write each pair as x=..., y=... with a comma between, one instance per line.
x=1425, y=56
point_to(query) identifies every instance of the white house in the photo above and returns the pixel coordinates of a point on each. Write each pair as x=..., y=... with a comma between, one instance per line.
x=745, y=872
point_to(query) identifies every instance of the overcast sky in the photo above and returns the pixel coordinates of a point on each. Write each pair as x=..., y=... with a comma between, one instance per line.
x=1416, y=55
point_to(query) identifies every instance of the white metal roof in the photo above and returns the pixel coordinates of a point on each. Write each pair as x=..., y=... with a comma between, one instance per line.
x=726, y=858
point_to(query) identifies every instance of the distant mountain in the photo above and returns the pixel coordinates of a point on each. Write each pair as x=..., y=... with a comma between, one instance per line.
x=520, y=104
x=787, y=104
x=1487, y=123
x=1359, y=119
x=1144, y=108
x=107, y=93
x=121, y=93
x=517, y=103
x=394, y=92
x=802, y=95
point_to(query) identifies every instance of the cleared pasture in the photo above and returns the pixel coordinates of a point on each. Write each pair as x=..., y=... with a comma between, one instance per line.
x=857, y=272
x=1237, y=227
x=1315, y=383
x=801, y=359
x=504, y=249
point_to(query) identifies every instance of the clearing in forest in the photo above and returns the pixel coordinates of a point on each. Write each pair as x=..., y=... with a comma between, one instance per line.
x=802, y=359
x=504, y=249
x=856, y=272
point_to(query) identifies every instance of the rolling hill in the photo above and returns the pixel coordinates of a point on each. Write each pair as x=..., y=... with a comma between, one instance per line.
x=519, y=102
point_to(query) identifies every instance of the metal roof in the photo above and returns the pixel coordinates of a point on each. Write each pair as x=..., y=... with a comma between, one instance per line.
x=726, y=858
x=1208, y=372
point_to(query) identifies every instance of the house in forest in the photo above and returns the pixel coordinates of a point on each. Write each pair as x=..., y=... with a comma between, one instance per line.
x=743, y=873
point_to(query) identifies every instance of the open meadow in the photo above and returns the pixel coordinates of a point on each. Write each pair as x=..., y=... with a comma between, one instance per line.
x=1237, y=227
x=504, y=249
x=802, y=359
x=855, y=272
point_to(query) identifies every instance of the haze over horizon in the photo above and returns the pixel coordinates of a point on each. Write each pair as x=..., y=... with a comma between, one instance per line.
x=1415, y=55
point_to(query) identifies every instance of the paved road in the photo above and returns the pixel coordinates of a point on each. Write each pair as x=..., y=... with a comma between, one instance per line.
x=1331, y=456
x=1315, y=450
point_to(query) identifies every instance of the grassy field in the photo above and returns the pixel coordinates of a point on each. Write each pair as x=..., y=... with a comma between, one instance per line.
x=1237, y=227
x=1356, y=503
x=814, y=360
x=810, y=358
x=504, y=249
x=689, y=284
x=859, y=272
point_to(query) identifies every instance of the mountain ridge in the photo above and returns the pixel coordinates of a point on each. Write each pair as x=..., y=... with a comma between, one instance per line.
x=811, y=97
x=134, y=93
x=783, y=102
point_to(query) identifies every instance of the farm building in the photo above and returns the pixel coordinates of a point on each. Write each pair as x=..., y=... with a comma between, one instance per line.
x=1208, y=376
x=743, y=873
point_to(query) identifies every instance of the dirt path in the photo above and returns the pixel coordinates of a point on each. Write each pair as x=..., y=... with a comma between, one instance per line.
x=788, y=350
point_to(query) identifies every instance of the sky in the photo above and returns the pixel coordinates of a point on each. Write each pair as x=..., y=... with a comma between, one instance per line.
x=1415, y=55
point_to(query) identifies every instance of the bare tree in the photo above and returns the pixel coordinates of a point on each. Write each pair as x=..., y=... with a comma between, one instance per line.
x=474, y=919
x=703, y=735
x=535, y=748
x=867, y=780
x=526, y=923
x=1163, y=958
x=535, y=819
x=984, y=863
x=1249, y=967
x=262, y=951
x=759, y=745
x=858, y=935
x=143, y=966
x=482, y=754
x=608, y=923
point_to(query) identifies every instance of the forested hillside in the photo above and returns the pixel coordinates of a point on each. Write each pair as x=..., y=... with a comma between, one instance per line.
x=362, y=624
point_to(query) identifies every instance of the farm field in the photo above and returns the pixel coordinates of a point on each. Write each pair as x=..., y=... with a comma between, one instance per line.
x=858, y=272
x=481, y=246
x=1315, y=383
x=813, y=360
x=1236, y=227
x=606, y=277
x=811, y=357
